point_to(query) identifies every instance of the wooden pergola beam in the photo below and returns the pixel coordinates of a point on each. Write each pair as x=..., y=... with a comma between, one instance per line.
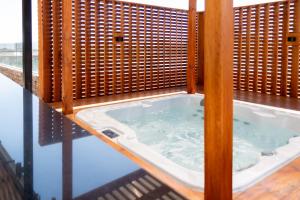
x=191, y=81
x=218, y=88
x=67, y=82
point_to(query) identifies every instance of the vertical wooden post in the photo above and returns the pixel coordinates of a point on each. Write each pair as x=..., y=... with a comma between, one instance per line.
x=44, y=52
x=218, y=78
x=67, y=82
x=295, y=53
x=191, y=81
x=201, y=47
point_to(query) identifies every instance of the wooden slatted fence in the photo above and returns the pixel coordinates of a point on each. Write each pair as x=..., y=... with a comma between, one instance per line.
x=152, y=55
x=263, y=57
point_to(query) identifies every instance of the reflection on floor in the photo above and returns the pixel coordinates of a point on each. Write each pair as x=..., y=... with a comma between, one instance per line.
x=137, y=185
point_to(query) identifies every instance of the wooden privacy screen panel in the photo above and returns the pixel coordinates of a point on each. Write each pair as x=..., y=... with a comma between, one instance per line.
x=263, y=60
x=151, y=51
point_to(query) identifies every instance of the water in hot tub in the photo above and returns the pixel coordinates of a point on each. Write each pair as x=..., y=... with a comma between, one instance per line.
x=174, y=128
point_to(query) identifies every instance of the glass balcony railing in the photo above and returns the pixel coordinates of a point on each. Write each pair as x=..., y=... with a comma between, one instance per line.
x=11, y=56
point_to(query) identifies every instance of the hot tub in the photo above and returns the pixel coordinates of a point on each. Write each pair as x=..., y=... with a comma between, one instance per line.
x=169, y=133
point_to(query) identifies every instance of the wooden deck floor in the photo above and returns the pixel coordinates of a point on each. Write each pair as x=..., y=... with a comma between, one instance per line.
x=271, y=100
x=281, y=185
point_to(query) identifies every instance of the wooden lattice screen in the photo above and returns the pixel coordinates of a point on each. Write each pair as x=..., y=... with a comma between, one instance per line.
x=118, y=47
x=263, y=57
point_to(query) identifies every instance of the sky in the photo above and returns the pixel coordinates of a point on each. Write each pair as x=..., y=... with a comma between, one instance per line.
x=11, y=15
x=11, y=21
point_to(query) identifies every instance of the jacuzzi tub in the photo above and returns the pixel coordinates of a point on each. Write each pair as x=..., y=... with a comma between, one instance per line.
x=168, y=132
